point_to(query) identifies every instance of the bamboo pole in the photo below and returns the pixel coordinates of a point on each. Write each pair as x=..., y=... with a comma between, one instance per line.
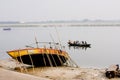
x=60, y=59
x=17, y=62
x=73, y=62
x=44, y=59
x=31, y=61
x=53, y=58
x=70, y=61
x=21, y=62
x=56, y=51
x=47, y=54
x=58, y=37
x=36, y=42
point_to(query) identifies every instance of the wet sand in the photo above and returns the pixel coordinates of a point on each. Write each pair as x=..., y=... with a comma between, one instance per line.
x=8, y=72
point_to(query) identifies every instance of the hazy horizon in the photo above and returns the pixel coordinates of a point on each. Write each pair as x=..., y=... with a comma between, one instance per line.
x=55, y=10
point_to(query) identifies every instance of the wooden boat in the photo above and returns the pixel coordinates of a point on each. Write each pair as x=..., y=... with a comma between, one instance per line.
x=78, y=44
x=6, y=29
x=40, y=56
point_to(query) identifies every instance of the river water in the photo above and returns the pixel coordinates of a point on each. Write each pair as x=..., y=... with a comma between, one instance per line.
x=105, y=42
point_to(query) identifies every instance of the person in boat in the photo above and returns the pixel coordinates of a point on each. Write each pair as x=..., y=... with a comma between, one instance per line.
x=74, y=42
x=77, y=42
x=70, y=42
x=82, y=42
x=117, y=67
x=85, y=42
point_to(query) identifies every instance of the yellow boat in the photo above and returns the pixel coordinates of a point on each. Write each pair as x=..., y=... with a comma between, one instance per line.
x=40, y=56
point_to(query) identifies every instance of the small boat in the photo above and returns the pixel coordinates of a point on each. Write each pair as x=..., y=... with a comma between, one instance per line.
x=40, y=56
x=6, y=29
x=76, y=43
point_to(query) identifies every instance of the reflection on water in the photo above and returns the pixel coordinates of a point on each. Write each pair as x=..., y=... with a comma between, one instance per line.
x=104, y=50
x=77, y=47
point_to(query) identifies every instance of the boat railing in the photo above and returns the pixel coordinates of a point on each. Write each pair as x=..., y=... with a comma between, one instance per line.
x=50, y=45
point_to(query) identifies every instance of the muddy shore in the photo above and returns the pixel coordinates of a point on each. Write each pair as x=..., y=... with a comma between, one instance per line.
x=8, y=72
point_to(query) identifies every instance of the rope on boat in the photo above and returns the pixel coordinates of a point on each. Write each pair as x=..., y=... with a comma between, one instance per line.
x=59, y=59
x=48, y=58
x=18, y=63
x=24, y=68
x=31, y=61
x=73, y=62
x=56, y=51
x=20, y=60
x=53, y=58
x=61, y=47
x=44, y=59
x=64, y=59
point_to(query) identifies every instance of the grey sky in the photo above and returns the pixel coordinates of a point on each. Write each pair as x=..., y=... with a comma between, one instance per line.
x=43, y=10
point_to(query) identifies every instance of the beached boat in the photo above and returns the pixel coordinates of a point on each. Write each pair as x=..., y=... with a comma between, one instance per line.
x=76, y=43
x=51, y=56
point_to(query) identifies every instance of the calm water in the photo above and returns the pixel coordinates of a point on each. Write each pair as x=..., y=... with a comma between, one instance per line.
x=105, y=42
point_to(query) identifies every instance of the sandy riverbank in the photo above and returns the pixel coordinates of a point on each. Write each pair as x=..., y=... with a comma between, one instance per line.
x=12, y=75
x=7, y=72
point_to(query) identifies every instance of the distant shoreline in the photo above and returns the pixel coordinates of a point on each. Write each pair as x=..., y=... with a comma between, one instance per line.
x=62, y=24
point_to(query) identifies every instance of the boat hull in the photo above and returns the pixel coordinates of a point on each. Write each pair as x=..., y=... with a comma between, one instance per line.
x=40, y=56
x=80, y=45
x=42, y=60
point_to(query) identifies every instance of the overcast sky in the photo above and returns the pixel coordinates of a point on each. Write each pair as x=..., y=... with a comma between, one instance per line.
x=44, y=10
